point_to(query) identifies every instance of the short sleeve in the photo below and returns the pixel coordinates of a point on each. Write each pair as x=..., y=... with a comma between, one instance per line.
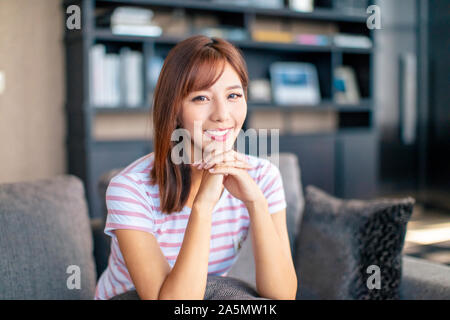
x=271, y=185
x=127, y=206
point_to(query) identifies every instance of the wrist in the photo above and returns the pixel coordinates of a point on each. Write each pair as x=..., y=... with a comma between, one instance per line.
x=203, y=206
x=260, y=201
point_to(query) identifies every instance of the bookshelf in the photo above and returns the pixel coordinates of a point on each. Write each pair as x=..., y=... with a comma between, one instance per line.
x=327, y=158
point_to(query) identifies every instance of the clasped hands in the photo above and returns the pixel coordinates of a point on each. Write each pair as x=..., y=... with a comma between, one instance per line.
x=234, y=167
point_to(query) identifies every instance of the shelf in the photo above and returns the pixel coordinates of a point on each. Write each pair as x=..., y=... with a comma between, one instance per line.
x=363, y=106
x=317, y=14
x=326, y=105
x=107, y=35
x=120, y=109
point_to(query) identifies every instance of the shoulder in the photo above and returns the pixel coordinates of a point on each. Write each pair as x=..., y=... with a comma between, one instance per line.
x=138, y=170
x=143, y=165
x=134, y=180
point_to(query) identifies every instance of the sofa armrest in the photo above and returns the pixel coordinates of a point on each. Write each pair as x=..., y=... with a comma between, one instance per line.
x=424, y=280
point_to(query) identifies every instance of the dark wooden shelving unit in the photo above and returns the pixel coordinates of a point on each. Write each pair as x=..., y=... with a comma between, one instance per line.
x=327, y=159
x=107, y=35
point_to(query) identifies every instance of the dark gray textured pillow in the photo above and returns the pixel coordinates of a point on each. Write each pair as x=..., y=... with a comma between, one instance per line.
x=339, y=239
x=44, y=229
x=217, y=288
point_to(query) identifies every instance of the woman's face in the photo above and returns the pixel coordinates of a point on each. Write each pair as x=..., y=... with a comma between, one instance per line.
x=215, y=115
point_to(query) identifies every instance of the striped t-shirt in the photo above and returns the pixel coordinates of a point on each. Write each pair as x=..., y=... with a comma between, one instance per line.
x=133, y=203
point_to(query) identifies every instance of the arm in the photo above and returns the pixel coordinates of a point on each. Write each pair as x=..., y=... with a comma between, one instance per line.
x=187, y=280
x=275, y=272
x=149, y=269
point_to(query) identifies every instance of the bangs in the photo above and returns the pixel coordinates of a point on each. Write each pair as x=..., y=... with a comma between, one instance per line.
x=205, y=70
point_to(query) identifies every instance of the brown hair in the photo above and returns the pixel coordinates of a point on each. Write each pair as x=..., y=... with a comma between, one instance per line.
x=191, y=65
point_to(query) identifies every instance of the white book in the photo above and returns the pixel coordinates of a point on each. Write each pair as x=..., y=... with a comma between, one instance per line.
x=96, y=59
x=134, y=79
x=352, y=41
x=131, y=15
x=123, y=56
x=112, y=90
x=137, y=30
x=115, y=81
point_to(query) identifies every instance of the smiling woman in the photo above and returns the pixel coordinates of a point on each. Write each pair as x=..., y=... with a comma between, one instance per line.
x=174, y=224
x=194, y=85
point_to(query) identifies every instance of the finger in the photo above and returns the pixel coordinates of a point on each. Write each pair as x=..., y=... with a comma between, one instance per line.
x=218, y=157
x=227, y=156
x=225, y=170
x=240, y=156
x=237, y=163
x=233, y=164
x=237, y=155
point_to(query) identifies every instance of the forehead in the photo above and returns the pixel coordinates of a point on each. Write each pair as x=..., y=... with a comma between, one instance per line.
x=223, y=74
x=228, y=75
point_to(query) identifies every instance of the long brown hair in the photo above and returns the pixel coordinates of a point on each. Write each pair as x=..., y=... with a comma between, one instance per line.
x=191, y=65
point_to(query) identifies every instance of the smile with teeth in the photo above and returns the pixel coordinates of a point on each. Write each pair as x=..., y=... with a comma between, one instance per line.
x=220, y=135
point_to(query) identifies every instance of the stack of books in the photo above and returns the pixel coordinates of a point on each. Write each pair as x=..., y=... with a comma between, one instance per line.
x=134, y=21
x=116, y=79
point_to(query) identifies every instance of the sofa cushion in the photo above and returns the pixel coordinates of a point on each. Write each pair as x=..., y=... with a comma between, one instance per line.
x=344, y=245
x=45, y=240
x=217, y=288
x=424, y=280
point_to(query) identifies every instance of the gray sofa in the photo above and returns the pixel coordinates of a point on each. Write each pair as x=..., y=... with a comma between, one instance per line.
x=50, y=249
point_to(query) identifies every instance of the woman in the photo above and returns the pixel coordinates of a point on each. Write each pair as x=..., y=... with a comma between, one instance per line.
x=172, y=224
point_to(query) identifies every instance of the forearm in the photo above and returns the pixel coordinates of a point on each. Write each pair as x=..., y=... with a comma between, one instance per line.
x=275, y=272
x=187, y=279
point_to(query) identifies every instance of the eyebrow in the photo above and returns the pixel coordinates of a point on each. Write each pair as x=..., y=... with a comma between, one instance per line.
x=228, y=88
x=234, y=87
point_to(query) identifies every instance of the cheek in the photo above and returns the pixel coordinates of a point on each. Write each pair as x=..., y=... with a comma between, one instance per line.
x=190, y=118
x=193, y=122
x=240, y=113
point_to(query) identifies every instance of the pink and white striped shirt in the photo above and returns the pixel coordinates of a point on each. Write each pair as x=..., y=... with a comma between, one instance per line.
x=133, y=203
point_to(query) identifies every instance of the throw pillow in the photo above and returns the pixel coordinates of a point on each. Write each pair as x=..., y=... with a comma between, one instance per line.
x=351, y=249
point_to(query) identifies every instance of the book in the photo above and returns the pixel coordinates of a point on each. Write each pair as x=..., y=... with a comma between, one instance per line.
x=136, y=30
x=312, y=39
x=131, y=16
x=132, y=79
x=272, y=36
x=112, y=78
x=116, y=79
x=352, y=41
x=96, y=60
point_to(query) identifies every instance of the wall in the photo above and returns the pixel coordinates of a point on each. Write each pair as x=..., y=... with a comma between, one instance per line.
x=32, y=120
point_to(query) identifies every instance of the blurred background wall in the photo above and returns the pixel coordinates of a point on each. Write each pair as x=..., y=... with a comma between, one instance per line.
x=32, y=117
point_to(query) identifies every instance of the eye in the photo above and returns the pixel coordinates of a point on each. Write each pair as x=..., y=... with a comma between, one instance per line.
x=199, y=98
x=237, y=95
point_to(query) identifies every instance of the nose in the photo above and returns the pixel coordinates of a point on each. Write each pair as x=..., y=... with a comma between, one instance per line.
x=221, y=112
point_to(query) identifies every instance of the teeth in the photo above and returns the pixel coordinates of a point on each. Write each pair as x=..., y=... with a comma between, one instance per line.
x=218, y=133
